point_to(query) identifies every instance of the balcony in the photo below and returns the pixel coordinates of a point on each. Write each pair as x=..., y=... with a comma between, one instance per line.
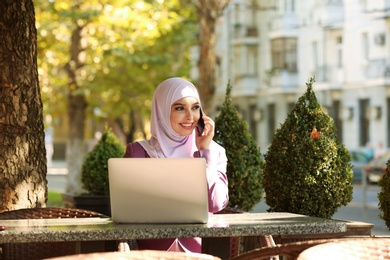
x=283, y=80
x=377, y=69
x=244, y=31
x=330, y=14
x=377, y=9
x=329, y=74
x=283, y=26
x=246, y=85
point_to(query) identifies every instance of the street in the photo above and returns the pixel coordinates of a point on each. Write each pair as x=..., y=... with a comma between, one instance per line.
x=363, y=207
x=356, y=210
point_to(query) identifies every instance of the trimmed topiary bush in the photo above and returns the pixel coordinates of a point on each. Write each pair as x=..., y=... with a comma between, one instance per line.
x=94, y=171
x=307, y=171
x=384, y=196
x=244, y=169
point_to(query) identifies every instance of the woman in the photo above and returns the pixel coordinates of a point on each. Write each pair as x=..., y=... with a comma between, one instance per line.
x=176, y=110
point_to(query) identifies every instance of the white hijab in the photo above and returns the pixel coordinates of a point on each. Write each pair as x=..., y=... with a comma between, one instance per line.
x=165, y=142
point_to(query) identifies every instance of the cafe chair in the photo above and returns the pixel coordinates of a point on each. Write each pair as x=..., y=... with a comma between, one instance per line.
x=51, y=212
x=288, y=251
x=358, y=248
x=313, y=249
x=43, y=250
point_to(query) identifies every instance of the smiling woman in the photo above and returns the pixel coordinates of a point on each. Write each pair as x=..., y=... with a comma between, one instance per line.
x=185, y=115
x=176, y=111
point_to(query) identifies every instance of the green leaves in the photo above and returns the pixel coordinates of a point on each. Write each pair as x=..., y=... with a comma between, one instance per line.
x=94, y=172
x=307, y=171
x=128, y=48
x=384, y=196
x=244, y=169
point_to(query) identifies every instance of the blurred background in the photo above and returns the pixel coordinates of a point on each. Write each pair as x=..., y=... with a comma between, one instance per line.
x=99, y=62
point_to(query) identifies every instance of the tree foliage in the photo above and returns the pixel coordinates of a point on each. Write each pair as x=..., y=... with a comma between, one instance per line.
x=104, y=59
x=244, y=169
x=307, y=171
x=128, y=48
x=384, y=196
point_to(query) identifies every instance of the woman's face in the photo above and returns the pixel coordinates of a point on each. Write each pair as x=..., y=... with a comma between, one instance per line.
x=185, y=114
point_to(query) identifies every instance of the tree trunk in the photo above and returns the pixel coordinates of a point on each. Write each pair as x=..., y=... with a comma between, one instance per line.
x=75, y=148
x=208, y=13
x=23, y=166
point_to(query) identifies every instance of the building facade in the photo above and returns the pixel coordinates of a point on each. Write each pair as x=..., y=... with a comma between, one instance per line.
x=268, y=50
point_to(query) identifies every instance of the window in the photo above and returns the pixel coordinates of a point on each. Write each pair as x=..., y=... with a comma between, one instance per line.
x=364, y=122
x=284, y=54
x=365, y=46
x=339, y=58
x=289, y=5
x=388, y=122
x=252, y=60
x=334, y=112
x=271, y=122
x=315, y=54
x=339, y=46
x=252, y=121
x=237, y=65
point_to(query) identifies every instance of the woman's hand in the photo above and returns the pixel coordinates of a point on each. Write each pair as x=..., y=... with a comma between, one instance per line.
x=203, y=141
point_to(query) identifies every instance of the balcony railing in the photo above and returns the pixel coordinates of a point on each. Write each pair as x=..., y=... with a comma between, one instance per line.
x=284, y=80
x=329, y=74
x=373, y=69
x=377, y=8
x=379, y=68
x=284, y=22
x=329, y=13
x=243, y=31
x=246, y=85
x=330, y=2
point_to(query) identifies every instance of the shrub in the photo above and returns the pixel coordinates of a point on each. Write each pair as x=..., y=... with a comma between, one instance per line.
x=306, y=170
x=244, y=169
x=94, y=171
x=384, y=196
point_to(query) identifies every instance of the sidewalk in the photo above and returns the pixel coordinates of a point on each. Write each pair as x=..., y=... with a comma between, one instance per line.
x=57, y=167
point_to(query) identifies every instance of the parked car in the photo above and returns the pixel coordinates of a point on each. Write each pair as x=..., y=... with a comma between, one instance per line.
x=376, y=168
x=359, y=162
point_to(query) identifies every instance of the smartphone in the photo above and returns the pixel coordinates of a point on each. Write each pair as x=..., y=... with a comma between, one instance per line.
x=200, y=125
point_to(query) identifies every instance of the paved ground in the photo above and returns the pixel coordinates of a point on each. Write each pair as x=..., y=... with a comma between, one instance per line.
x=363, y=207
x=356, y=210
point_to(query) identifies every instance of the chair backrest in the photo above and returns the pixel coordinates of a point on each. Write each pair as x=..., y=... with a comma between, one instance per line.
x=365, y=248
x=48, y=249
x=51, y=212
x=353, y=248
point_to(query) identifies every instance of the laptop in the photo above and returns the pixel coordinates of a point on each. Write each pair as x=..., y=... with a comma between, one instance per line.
x=158, y=190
